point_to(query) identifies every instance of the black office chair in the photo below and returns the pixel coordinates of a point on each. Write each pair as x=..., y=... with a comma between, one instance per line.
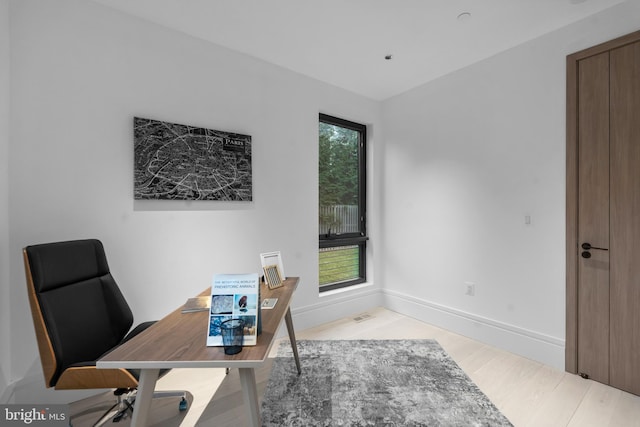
x=79, y=315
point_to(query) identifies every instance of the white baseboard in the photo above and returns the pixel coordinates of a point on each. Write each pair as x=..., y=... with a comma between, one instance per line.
x=530, y=344
x=533, y=345
x=336, y=306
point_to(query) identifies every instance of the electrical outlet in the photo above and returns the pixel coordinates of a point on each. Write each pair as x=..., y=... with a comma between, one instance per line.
x=470, y=288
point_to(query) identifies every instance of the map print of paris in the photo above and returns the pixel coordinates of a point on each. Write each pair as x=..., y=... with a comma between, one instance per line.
x=180, y=162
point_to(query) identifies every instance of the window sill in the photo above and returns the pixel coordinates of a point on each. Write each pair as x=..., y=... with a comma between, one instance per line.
x=346, y=289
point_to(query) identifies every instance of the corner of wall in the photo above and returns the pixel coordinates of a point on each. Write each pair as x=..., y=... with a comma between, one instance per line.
x=5, y=89
x=7, y=390
x=336, y=307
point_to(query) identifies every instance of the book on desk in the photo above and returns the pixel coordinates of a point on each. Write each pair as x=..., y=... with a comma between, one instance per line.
x=234, y=296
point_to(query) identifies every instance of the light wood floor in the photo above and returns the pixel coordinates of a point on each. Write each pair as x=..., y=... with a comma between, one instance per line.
x=527, y=392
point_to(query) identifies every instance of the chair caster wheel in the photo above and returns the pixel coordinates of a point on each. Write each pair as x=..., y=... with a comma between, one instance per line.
x=182, y=406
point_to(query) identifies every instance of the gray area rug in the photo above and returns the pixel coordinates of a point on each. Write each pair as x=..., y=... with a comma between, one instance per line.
x=373, y=383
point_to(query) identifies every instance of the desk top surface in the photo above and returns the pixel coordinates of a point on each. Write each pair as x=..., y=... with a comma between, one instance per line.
x=180, y=339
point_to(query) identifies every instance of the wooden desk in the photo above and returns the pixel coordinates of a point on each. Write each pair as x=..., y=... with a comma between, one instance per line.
x=179, y=341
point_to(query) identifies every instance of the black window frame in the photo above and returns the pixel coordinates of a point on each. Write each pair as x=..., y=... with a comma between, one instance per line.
x=360, y=237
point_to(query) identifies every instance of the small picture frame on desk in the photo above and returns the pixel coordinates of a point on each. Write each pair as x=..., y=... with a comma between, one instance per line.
x=271, y=258
x=272, y=276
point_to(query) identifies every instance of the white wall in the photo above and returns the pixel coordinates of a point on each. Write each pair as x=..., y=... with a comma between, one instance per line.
x=468, y=157
x=5, y=303
x=80, y=73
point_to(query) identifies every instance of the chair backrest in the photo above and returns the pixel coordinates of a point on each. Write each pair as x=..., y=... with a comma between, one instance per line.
x=78, y=310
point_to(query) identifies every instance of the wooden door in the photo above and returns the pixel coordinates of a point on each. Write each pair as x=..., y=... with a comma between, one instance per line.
x=603, y=230
x=593, y=224
x=625, y=218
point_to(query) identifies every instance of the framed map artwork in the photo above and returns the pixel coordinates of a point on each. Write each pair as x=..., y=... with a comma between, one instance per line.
x=181, y=162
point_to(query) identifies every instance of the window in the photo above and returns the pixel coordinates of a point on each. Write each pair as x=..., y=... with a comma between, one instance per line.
x=342, y=204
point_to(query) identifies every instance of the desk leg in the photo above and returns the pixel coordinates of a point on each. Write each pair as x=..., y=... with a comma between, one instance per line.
x=250, y=392
x=142, y=405
x=292, y=338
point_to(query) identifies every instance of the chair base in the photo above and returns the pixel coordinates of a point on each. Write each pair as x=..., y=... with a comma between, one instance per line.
x=125, y=403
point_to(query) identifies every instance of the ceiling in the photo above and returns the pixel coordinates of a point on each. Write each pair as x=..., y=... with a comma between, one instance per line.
x=344, y=42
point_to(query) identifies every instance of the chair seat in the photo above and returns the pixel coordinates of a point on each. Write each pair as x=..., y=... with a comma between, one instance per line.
x=85, y=375
x=88, y=377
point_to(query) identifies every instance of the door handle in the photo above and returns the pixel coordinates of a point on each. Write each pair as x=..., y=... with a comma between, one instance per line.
x=587, y=247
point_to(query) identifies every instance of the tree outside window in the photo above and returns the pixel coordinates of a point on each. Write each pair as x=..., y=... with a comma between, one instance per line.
x=342, y=217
